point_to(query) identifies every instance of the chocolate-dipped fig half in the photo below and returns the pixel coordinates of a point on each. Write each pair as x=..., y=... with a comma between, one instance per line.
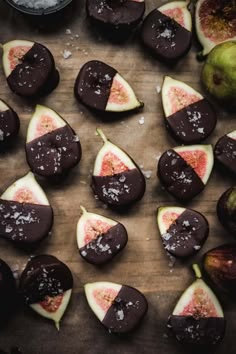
x=117, y=16
x=215, y=22
x=198, y=318
x=220, y=265
x=7, y=292
x=29, y=68
x=185, y=170
x=46, y=285
x=52, y=147
x=9, y=124
x=120, y=308
x=99, y=238
x=116, y=179
x=183, y=231
x=166, y=31
x=26, y=216
x=226, y=210
x=189, y=116
x=225, y=151
x=101, y=87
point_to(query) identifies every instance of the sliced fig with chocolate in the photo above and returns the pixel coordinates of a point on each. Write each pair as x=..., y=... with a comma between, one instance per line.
x=215, y=22
x=166, y=31
x=116, y=180
x=101, y=87
x=9, y=124
x=220, y=266
x=225, y=151
x=8, y=293
x=120, y=308
x=99, y=238
x=185, y=170
x=116, y=16
x=183, y=231
x=52, y=147
x=226, y=210
x=29, y=68
x=189, y=116
x=26, y=216
x=46, y=285
x=198, y=318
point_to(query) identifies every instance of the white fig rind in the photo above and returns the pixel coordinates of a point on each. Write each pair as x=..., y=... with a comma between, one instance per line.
x=232, y=135
x=39, y=112
x=6, y=49
x=57, y=315
x=168, y=83
x=183, y=6
x=161, y=212
x=132, y=103
x=28, y=182
x=207, y=149
x=3, y=106
x=91, y=287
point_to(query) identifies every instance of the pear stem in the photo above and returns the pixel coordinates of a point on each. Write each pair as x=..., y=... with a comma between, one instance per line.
x=83, y=209
x=197, y=271
x=101, y=134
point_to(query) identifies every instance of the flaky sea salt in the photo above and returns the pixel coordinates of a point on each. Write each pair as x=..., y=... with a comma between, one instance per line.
x=141, y=120
x=66, y=54
x=37, y=4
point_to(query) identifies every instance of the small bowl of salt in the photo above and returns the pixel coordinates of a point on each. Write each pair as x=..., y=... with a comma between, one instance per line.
x=39, y=7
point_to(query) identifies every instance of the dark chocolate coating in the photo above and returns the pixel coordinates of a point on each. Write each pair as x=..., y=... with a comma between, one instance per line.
x=178, y=177
x=115, y=14
x=193, y=123
x=127, y=311
x=54, y=153
x=9, y=125
x=186, y=234
x=7, y=292
x=24, y=223
x=34, y=75
x=225, y=153
x=226, y=210
x=44, y=276
x=105, y=246
x=203, y=331
x=164, y=37
x=120, y=189
x=93, y=84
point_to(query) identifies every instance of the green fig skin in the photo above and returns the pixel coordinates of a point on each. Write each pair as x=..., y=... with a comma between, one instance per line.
x=220, y=266
x=226, y=210
x=219, y=74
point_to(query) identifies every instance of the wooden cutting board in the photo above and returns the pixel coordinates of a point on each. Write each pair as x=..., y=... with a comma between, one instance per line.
x=144, y=263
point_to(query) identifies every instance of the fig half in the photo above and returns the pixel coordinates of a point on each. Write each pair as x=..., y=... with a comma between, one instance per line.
x=226, y=210
x=198, y=318
x=189, y=116
x=9, y=124
x=116, y=180
x=215, y=22
x=225, y=151
x=120, y=308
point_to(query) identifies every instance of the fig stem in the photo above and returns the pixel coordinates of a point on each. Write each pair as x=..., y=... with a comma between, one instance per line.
x=197, y=271
x=57, y=324
x=83, y=209
x=101, y=134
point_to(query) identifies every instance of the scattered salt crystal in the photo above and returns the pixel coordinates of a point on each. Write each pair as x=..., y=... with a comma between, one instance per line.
x=147, y=239
x=158, y=89
x=68, y=31
x=66, y=54
x=1, y=135
x=120, y=315
x=141, y=120
x=147, y=173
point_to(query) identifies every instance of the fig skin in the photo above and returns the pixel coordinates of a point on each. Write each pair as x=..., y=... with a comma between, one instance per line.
x=219, y=74
x=226, y=210
x=220, y=266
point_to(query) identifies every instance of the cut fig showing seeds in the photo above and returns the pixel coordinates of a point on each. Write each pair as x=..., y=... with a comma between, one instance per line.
x=215, y=22
x=226, y=210
x=225, y=151
x=101, y=87
x=166, y=31
x=198, y=318
x=185, y=170
x=7, y=291
x=52, y=147
x=189, y=116
x=26, y=216
x=9, y=124
x=183, y=231
x=46, y=285
x=116, y=179
x=120, y=308
x=99, y=239
x=29, y=68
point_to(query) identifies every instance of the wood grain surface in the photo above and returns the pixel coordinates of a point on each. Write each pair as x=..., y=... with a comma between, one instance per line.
x=144, y=263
